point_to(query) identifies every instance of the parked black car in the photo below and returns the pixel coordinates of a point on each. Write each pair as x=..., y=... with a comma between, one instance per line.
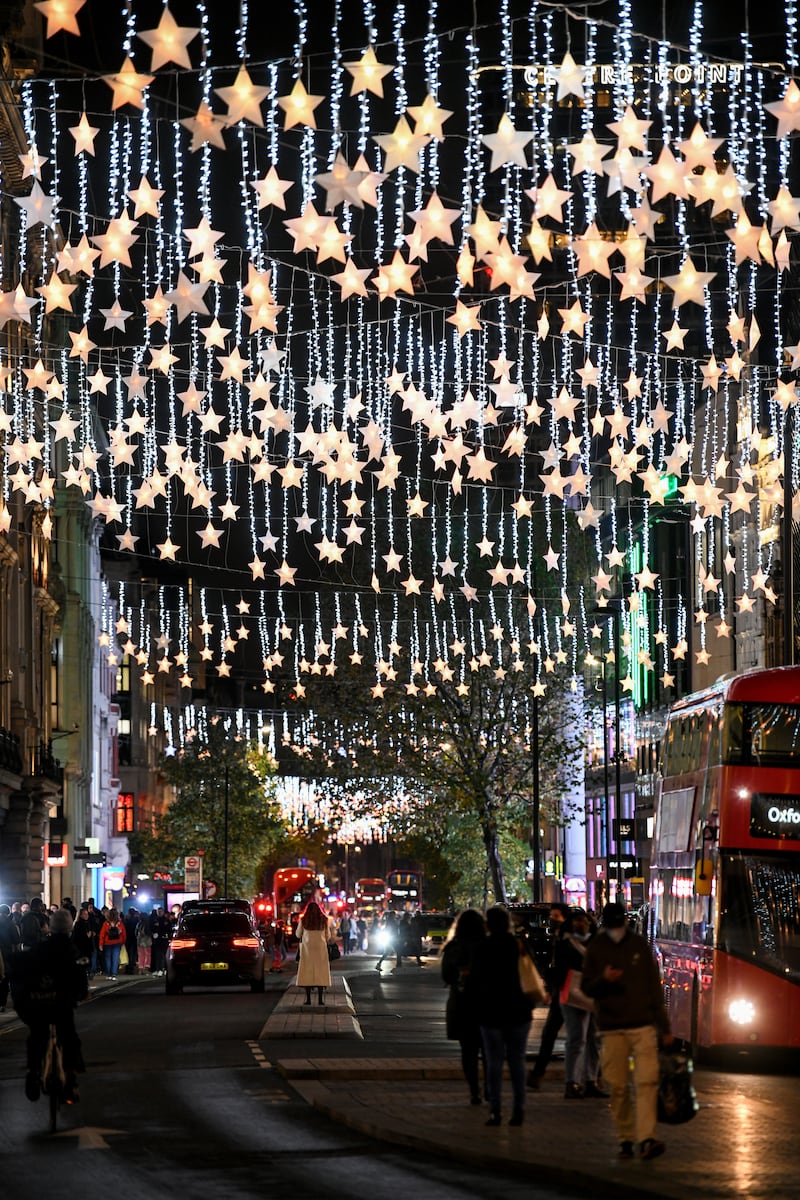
x=216, y=942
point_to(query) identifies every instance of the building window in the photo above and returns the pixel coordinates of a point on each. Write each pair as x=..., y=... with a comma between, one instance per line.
x=124, y=675
x=124, y=822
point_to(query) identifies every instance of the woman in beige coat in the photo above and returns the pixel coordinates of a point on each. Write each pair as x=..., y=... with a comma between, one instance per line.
x=314, y=970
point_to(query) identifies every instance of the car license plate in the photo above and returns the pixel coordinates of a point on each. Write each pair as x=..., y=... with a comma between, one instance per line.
x=213, y=966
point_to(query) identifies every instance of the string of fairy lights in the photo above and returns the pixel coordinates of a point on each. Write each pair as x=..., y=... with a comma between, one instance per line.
x=316, y=347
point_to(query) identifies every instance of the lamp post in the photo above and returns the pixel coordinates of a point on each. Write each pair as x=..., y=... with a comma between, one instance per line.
x=612, y=611
x=606, y=794
x=535, y=847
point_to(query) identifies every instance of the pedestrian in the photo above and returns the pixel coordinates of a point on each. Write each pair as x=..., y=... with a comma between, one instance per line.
x=461, y=1013
x=315, y=968
x=9, y=945
x=34, y=924
x=131, y=922
x=411, y=938
x=111, y=941
x=555, y=1018
x=621, y=974
x=389, y=935
x=344, y=932
x=504, y=1011
x=361, y=933
x=84, y=938
x=160, y=928
x=144, y=943
x=96, y=921
x=582, y=1056
x=70, y=907
x=16, y=912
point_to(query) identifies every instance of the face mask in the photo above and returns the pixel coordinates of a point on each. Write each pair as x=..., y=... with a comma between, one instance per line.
x=617, y=935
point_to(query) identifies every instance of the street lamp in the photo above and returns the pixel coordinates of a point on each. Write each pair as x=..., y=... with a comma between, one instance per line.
x=612, y=612
x=790, y=436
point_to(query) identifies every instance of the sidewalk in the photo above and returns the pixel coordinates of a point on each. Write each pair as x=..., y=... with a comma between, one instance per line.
x=737, y=1146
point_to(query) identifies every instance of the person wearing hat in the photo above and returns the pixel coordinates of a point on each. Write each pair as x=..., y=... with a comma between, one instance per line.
x=621, y=974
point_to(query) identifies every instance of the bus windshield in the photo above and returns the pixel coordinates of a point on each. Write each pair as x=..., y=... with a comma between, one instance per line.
x=760, y=917
x=763, y=734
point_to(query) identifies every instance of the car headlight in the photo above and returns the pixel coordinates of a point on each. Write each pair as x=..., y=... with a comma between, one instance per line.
x=742, y=1012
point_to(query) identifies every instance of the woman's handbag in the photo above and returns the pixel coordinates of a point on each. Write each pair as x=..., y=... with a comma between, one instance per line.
x=571, y=992
x=333, y=952
x=530, y=980
x=677, y=1099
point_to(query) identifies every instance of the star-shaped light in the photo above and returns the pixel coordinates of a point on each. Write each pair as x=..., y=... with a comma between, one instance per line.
x=689, y=284
x=127, y=86
x=569, y=78
x=169, y=42
x=145, y=198
x=243, y=99
x=187, y=297
x=299, y=107
x=60, y=14
x=341, y=184
x=507, y=145
x=402, y=147
x=787, y=110
x=588, y=154
x=630, y=131
x=698, y=149
x=429, y=118
x=549, y=199
x=37, y=207
x=84, y=135
x=465, y=318
x=115, y=317
x=56, y=294
x=204, y=127
x=368, y=74
x=352, y=280
x=271, y=189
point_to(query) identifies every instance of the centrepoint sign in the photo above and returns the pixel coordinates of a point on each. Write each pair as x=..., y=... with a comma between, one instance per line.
x=774, y=816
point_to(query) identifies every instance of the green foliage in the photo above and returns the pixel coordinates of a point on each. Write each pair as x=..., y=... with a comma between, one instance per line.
x=459, y=750
x=210, y=776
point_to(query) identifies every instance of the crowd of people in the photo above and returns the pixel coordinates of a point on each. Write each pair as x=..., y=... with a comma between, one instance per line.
x=602, y=987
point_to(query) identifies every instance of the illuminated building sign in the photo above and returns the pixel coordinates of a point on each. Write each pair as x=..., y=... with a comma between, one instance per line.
x=774, y=816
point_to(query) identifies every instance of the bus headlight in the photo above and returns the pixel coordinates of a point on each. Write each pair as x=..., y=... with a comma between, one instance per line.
x=742, y=1012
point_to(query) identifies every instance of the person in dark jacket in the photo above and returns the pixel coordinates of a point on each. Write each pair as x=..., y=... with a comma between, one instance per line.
x=47, y=983
x=504, y=1012
x=9, y=945
x=555, y=1017
x=621, y=974
x=582, y=1052
x=131, y=923
x=461, y=1013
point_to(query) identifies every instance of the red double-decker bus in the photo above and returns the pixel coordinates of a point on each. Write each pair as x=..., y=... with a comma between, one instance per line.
x=292, y=888
x=725, y=862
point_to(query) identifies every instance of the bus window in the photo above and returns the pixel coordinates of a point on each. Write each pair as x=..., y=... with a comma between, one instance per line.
x=760, y=916
x=762, y=734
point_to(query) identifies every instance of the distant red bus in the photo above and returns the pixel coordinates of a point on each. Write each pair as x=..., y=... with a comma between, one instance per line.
x=725, y=862
x=370, y=893
x=292, y=888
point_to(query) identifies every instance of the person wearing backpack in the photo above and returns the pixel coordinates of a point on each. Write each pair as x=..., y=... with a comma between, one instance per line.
x=112, y=939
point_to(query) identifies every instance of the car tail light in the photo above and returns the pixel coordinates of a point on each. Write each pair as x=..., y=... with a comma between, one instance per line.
x=183, y=943
x=252, y=942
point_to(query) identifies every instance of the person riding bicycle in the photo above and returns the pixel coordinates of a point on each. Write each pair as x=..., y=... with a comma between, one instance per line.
x=47, y=983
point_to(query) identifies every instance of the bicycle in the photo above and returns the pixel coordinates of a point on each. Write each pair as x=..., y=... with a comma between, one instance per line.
x=54, y=1079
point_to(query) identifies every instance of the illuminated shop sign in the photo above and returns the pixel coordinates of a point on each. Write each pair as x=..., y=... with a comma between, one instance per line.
x=775, y=816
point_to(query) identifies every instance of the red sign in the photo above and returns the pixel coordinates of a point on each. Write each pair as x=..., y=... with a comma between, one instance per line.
x=55, y=854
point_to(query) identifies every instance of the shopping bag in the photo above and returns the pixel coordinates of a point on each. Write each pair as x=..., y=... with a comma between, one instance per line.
x=677, y=1099
x=572, y=993
x=123, y=957
x=333, y=952
x=530, y=980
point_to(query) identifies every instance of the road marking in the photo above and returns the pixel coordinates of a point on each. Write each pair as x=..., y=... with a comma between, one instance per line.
x=90, y=1137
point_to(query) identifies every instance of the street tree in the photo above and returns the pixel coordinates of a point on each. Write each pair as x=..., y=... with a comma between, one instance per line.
x=224, y=809
x=456, y=747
